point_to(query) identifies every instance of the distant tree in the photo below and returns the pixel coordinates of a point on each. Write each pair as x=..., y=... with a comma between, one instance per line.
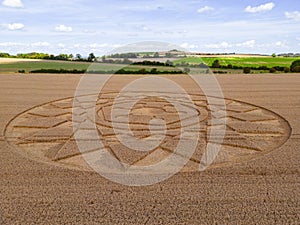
x=126, y=61
x=153, y=71
x=182, y=64
x=70, y=56
x=263, y=68
x=186, y=70
x=216, y=64
x=246, y=70
x=273, y=55
x=169, y=63
x=156, y=55
x=286, y=70
x=78, y=57
x=169, y=55
x=33, y=55
x=146, y=56
x=273, y=70
x=62, y=57
x=124, y=55
x=203, y=66
x=91, y=57
x=143, y=71
x=103, y=58
x=4, y=55
x=129, y=55
x=115, y=55
x=295, y=67
x=229, y=66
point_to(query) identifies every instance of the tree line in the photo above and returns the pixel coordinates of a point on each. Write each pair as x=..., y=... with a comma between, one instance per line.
x=36, y=55
x=123, y=58
x=295, y=67
x=121, y=71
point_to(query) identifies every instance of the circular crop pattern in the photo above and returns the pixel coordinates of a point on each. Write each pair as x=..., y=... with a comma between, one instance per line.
x=45, y=132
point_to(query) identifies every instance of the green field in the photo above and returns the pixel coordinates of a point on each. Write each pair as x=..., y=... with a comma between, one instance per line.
x=68, y=65
x=241, y=62
x=65, y=65
x=28, y=66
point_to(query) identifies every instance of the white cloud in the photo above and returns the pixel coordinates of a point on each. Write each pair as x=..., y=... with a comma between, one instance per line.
x=205, y=9
x=61, y=45
x=9, y=44
x=13, y=3
x=293, y=15
x=145, y=28
x=261, y=8
x=251, y=44
x=95, y=45
x=221, y=45
x=277, y=45
x=40, y=44
x=247, y=44
x=89, y=31
x=188, y=46
x=280, y=44
x=13, y=26
x=116, y=46
x=63, y=28
x=15, y=44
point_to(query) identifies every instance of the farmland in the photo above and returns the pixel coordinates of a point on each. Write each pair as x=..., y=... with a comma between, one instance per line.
x=247, y=184
x=237, y=63
x=42, y=64
x=27, y=66
x=241, y=61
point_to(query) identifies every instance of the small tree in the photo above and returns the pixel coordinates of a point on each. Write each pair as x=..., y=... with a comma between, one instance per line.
x=78, y=57
x=273, y=55
x=216, y=64
x=169, y=63
x=153, y=71
x=4, y=55
x=143, y=71
x=169, y=55
x=295, y=67
x=91, y=57
x=62, y=57
x=186, y=70
x=126, y=61
x=246, y=70
x=273, y=70
x=286, y=69
x=156, y=55
x=203, y=66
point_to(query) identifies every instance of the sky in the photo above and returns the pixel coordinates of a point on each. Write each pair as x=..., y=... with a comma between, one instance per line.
x=84, y=26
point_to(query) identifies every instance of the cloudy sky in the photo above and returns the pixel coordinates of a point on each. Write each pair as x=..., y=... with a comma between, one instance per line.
x=84, y=26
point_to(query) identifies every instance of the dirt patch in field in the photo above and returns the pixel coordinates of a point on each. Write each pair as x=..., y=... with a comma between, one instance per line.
x=13, y=60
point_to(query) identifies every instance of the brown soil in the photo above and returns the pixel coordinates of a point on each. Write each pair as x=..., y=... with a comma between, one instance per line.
x=255, y=178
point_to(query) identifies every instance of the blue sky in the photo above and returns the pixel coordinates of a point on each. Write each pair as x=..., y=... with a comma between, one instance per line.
x=78, y=26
